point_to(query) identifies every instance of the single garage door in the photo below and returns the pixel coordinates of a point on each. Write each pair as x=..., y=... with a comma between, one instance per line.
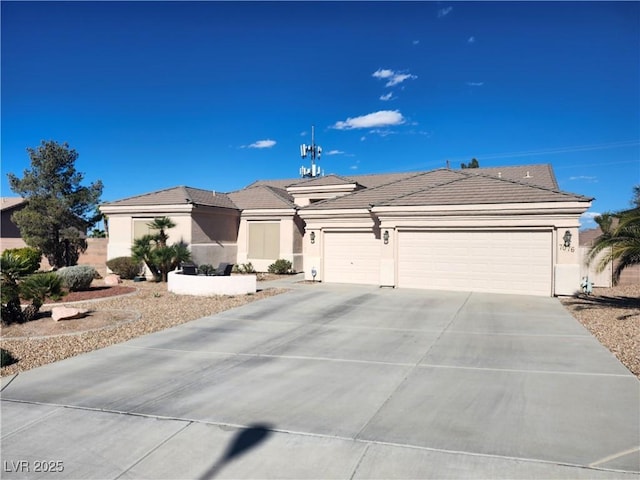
x=351, y=257
x=481, y=261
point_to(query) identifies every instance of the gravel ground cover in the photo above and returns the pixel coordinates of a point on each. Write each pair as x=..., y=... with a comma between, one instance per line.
x=157, y=310
x=612, y=315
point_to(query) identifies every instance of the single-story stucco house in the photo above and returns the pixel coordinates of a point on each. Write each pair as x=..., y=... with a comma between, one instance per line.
x=500, y=229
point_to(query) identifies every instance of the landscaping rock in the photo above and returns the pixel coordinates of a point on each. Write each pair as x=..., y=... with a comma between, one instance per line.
x=67, y=313
x=112, y=279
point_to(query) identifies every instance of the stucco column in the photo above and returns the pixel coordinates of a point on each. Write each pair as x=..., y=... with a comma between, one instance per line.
x=387, y=257
x=312, y=248
x=567, y=261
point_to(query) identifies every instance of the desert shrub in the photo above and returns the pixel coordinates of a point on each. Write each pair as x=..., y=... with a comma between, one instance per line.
x=280, y=266
x=244, y=268
x=206, y=269
x=6, y=358
x=78, y=277
x=126, y=267
x=29, y=258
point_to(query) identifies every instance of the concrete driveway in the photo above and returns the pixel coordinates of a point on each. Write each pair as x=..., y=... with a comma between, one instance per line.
x=336, y=382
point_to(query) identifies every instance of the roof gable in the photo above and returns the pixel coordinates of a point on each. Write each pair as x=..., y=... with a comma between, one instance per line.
x=180, y=195
x=261, y=196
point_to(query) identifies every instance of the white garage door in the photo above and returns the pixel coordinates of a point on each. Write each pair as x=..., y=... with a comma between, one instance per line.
x=480, y=261
x=351, y=257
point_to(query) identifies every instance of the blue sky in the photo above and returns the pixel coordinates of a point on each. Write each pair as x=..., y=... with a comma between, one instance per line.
x=217, y=95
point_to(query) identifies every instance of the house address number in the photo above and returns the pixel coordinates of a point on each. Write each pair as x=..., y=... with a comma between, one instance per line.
x=566, y=249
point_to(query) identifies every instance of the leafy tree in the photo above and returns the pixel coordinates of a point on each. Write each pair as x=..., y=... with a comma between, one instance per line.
x=636, y=196
x=472, y=164
x=58, y=207
x=620, y=243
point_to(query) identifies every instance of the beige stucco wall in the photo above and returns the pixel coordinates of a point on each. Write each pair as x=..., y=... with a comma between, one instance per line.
x=289, y=229
x=121, y=230
x=212, y=225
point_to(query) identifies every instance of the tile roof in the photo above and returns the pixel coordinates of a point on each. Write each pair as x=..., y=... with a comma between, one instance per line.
x=261, y=196
x=177, y=196
x=383, y=193
x=473, y=188
x=331, y=179
x=447, y=187
x=539, y=174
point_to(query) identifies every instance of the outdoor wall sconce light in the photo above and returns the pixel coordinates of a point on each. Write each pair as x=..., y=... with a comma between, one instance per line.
x=385, y=237
x=313, y=237
x=567, y=239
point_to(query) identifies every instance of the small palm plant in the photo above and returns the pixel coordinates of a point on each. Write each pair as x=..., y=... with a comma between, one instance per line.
x=620, y=243
x=37, y=288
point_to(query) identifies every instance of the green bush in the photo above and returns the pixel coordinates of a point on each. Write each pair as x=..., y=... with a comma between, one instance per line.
x=244, y=268
x=29, y=258
x=6, y=358
x=126, y=267
x=281, y=267
x=206, y=269
x=78, y=277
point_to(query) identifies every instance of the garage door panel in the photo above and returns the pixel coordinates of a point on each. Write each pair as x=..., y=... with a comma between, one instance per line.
x=488, y=261
x=351, y=257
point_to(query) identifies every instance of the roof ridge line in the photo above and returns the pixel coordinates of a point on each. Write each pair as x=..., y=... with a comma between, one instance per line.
x=517, y=182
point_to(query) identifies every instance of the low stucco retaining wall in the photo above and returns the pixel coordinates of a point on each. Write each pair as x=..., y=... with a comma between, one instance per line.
x=204, y=286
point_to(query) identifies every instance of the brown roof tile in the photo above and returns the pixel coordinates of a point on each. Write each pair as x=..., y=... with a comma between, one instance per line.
x=539, y=174
x=388, y=191
x=261, y=196
x=473, y=188
x=331, y=179
x=177, y=196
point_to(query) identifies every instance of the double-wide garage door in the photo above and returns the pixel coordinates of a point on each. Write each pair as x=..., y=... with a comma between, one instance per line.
x=482, y=261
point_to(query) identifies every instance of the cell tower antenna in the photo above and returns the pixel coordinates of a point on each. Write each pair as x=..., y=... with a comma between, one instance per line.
x=314, y=151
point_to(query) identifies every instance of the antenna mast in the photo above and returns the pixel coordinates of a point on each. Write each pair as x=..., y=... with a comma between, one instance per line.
x=314, y=151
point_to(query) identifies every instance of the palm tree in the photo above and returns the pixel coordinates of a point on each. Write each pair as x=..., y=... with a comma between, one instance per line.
x=161, y=224
x=620, y=243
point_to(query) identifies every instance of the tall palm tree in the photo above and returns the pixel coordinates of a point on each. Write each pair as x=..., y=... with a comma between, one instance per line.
x=620, y=243
x=161, y=224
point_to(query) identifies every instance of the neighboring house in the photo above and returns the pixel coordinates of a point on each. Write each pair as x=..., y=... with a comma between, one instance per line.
x=9, y=233
x=488, y=229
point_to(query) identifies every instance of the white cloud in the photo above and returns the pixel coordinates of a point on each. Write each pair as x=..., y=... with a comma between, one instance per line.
x=263, y=144
x=475, y=84
x=394, y=78
x=443, y=12
x=382, y=118
x=586, y=178
x=334, y=152
x=416, y=42
x=471, y=39
x=386, y=97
